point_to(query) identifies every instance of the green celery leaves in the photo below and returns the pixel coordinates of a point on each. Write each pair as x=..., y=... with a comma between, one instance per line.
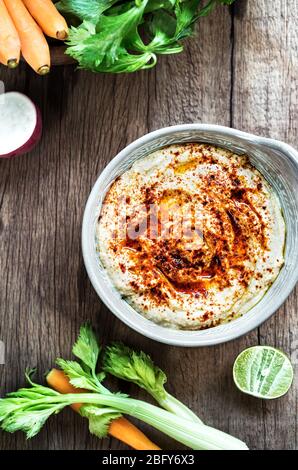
x=125, y=36
x=99, y=419
x=136, y=367
x=98, y=48
x=89, y=10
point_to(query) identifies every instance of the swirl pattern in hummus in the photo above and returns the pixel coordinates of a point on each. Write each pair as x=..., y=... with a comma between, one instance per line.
x=192, y=236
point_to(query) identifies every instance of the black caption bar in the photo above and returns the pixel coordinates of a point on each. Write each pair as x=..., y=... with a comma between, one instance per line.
x=132, y=459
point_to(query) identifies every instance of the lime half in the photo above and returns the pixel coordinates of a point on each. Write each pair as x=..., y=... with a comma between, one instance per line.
x=263, y=371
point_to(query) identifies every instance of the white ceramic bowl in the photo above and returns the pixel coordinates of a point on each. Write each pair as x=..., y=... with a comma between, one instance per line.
x=277, y=161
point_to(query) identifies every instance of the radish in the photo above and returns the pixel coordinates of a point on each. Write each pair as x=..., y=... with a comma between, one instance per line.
x=20, y=124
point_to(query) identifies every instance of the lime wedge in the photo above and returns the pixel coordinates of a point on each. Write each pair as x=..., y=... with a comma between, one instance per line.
x=263, y=371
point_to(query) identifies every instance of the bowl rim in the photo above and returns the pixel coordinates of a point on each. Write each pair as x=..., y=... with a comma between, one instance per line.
x=160, y=333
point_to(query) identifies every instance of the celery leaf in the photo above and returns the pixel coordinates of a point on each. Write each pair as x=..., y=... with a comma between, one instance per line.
x=102, y=47
x=99, y=419
x=89, y=10
x=136, y=367
x=78, y=377
x=86, y=347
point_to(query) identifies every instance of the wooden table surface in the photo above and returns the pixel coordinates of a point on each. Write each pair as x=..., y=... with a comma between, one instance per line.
x=241, y=70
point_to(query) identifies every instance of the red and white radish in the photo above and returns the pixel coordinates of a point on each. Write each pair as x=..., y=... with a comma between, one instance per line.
x=20, y=124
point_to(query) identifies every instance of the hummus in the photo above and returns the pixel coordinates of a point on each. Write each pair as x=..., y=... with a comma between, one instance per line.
x=192, y=236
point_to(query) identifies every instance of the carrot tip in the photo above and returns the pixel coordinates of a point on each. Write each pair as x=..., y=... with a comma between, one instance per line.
x=12, y=63
x=61, y=35
x=43, y=70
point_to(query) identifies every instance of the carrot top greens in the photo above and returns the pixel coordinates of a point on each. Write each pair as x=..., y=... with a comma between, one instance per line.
x=125, y=36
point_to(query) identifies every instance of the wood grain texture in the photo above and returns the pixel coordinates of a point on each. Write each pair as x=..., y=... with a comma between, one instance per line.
x=58, y=56
x=265, y=102
x=240, y=70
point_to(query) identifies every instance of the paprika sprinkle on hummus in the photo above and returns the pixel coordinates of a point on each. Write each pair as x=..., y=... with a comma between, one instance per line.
x=192, y=236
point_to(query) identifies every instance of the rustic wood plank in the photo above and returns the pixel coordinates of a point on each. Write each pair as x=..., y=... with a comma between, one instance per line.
x=265, y=102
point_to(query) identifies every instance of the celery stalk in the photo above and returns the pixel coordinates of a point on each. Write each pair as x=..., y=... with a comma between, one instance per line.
x=25, y=405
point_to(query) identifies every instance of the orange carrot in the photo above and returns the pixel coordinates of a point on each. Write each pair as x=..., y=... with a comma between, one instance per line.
x=120, y=428
x=49, y=19
x=10, y=45
x=34, y=46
